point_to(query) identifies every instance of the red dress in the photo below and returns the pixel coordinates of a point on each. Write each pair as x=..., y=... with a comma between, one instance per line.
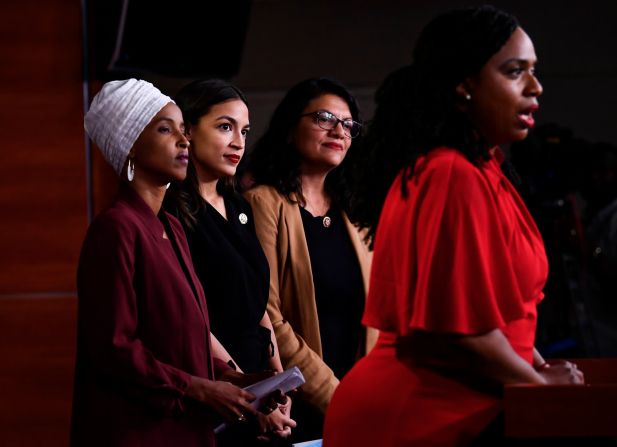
x=460, y=254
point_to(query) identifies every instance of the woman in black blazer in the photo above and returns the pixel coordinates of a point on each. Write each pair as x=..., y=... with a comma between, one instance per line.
x=226, y=253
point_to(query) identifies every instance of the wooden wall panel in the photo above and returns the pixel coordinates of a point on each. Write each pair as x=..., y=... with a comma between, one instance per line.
x=43, y=189
x=43, y=216
x=37, y=348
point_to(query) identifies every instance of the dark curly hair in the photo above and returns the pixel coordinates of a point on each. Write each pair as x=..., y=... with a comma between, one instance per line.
x=418, y=109
x=195, y=100
x=275, y=161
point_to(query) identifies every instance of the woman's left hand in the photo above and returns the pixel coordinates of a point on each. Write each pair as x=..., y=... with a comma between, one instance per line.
x=278, y=423
x=561, y=372
x=286, y=406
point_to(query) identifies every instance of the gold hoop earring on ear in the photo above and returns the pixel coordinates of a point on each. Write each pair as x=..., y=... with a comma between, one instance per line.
x=130, y=170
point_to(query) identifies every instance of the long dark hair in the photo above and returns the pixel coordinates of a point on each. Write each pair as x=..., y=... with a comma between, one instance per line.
x=275, y=161
x=195, y=100
x=418, y=109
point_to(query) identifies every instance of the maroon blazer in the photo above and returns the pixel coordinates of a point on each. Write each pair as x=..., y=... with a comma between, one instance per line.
x=142, y=332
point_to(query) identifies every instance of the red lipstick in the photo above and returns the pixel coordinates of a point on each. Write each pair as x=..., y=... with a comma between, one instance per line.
x=234, y=158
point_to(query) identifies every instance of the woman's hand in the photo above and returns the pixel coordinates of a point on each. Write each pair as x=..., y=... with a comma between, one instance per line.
x=285, y=407
x=226, y=399
x=273, y=401
x=278, y=423
x=561, y=372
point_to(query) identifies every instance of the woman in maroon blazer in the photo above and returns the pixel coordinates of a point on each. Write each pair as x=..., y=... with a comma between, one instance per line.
x=144, y=375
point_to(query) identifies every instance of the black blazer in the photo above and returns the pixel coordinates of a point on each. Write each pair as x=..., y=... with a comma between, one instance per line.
x=234, y=272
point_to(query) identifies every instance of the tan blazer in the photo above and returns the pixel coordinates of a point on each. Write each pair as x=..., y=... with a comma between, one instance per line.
x=291, y=305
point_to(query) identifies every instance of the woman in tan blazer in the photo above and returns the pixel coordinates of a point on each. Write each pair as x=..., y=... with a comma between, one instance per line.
x=319, y=265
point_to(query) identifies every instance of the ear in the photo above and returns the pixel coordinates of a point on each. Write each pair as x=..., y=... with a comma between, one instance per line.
x=463, y=91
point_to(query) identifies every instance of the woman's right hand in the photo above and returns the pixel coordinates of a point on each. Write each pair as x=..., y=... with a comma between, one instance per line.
x=228, y=400
x=276, y=424
x=561, y=372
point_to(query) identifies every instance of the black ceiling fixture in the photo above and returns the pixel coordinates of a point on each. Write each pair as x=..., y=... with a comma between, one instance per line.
x=176, y=38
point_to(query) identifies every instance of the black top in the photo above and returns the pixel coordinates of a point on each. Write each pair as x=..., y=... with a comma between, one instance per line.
x=339, y=290
x=233, y=270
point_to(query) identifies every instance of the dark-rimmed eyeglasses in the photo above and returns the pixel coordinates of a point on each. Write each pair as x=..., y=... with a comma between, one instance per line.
x=328, y=121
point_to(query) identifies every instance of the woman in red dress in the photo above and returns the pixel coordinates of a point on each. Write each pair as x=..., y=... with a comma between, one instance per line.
x=459, y=265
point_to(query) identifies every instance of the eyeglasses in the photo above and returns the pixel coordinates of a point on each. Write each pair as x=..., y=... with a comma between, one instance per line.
x=328, y=121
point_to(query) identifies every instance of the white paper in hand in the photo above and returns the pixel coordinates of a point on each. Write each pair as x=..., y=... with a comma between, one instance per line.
x=286, y=381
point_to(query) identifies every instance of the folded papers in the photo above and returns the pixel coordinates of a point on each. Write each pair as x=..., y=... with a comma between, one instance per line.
x=286, y=381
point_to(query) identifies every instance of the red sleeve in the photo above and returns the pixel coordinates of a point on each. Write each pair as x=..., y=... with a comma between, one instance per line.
x=108, y=335
x=465, y=280
x=441, y=260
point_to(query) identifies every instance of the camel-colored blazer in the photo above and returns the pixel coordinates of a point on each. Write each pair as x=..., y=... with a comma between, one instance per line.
x=291, y=304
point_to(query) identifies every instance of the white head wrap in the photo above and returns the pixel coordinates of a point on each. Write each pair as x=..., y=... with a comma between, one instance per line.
x=119, y=113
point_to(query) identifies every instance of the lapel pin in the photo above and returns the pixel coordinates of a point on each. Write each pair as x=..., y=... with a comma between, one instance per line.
x=243, y=219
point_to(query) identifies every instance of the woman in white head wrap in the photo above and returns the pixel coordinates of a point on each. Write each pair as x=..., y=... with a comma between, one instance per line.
x=144, y=374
